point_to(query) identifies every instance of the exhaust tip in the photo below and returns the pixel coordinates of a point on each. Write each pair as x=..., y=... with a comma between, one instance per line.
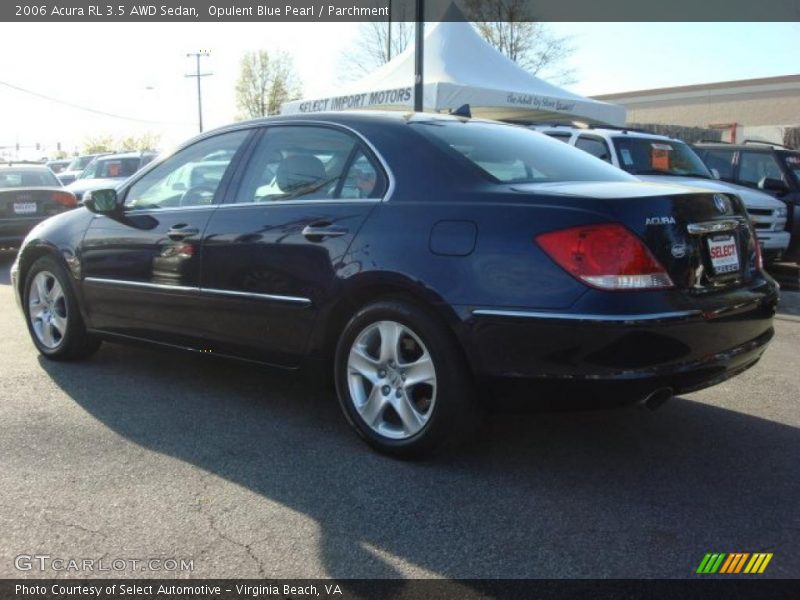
x=656, y=398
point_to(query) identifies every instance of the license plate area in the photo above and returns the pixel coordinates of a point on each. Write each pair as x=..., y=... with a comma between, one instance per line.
x=24, y=208
x=723, y=252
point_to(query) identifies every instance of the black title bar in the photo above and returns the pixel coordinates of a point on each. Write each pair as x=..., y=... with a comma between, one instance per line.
x=401, y=10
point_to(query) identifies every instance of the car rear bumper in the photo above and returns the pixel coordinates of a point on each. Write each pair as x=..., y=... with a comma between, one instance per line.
x=13, y=230
x=636, y=353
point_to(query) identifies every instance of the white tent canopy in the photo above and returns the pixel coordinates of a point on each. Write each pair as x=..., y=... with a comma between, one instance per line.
x=462, y=68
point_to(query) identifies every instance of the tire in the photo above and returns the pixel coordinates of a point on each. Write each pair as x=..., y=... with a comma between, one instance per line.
x=411, y=401
x=52, y=314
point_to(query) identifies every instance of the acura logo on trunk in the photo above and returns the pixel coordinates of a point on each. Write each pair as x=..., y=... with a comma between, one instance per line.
x=722, y=203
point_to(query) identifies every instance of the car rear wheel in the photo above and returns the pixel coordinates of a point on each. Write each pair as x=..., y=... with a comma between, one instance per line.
x=54, y=320
x=402, y=381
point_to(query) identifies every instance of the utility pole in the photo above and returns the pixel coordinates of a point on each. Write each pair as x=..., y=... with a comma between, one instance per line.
x=389, y=36
x=419, y=55
x=198, y=75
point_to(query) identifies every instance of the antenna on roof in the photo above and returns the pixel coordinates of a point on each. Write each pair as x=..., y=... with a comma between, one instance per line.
x=462, y=111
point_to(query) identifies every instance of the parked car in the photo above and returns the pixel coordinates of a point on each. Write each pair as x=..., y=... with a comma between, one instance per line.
x=658, y=158
x=771, y=168
x=76, y=167
x=423, y=280
x=109, y=170
x=57, y=166
x=28, y=195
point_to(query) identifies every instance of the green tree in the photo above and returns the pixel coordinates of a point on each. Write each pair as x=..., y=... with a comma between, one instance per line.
x=98, y=143
x=146, y=141
x=265, y=82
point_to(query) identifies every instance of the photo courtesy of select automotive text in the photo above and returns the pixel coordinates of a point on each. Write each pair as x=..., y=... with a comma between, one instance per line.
x=400, y=299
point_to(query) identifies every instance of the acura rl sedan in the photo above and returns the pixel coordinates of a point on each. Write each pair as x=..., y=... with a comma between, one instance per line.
x=422, y=258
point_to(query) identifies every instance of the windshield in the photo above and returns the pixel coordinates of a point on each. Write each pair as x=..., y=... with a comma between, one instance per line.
x=652, y=156
x=79, y=163
x=511, y=154
x=111, y=168
x=14, y=178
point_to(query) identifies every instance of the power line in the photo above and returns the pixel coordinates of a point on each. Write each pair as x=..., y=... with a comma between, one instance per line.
x=86, y=108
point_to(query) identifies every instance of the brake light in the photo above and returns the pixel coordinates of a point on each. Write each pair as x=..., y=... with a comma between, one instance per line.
x=607, y=256
x=759, y=256
x=65, y=199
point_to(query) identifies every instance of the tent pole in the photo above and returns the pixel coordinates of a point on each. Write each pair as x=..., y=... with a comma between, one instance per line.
x=419, y=53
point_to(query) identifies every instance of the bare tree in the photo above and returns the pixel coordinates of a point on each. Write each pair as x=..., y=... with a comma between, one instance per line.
x=508, y=25
x=372, y=46
x=265, y=82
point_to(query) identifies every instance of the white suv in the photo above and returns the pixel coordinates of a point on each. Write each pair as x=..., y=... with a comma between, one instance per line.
x=652, y=157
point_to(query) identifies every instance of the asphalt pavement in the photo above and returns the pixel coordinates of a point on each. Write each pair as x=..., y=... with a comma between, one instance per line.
x=140, y=453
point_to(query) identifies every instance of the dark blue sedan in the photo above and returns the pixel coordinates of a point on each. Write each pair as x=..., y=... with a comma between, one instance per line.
x=427, y=261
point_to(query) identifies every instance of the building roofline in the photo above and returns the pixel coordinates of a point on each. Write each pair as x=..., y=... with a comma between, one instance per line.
x=787, y=79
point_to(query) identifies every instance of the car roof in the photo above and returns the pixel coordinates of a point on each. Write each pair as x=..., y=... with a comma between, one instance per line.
x=127, y=154
x=602, y=131
x=23, y=167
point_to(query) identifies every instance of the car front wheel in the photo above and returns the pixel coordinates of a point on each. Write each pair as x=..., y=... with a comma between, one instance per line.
x=54, y=320
x=402, y=380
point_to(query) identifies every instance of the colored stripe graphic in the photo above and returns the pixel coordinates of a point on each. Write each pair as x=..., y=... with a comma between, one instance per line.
x=711, y=563
x=758, y=563
x=723, y=563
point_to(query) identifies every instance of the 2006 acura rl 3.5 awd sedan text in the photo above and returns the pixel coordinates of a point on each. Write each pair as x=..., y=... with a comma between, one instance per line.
x=424, y=257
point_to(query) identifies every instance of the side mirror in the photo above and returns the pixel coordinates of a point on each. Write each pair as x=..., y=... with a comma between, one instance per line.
x=715, y=174
x=773, y=185
x=179, y=186
x=102, y=202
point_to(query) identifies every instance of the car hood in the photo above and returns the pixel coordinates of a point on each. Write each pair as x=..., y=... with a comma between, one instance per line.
x=85, y=185
x=751, y=198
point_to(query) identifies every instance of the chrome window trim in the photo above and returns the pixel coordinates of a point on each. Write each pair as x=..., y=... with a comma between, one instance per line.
x=586, y=317
x=300, y=201
x=199, y=290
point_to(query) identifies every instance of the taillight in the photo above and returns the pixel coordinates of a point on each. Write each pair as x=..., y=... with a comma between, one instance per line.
x=606, y=256
x=759, y=256
x=65, y=199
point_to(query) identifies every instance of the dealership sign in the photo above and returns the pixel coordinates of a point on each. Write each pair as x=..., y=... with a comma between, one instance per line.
x=354, y=101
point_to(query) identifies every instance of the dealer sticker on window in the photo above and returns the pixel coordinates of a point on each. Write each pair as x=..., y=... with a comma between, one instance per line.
x=24, y=208
x=724, y=255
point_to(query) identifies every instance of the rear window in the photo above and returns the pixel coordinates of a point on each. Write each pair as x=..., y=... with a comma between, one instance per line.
x=11, y=178
x=103, y=168
x=511, y=154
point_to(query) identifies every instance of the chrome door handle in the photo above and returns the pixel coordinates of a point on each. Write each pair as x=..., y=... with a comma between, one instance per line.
x=179, y=232
x=316, y=233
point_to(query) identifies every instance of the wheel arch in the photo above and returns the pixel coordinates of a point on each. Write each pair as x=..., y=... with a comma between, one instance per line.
x=359, y=291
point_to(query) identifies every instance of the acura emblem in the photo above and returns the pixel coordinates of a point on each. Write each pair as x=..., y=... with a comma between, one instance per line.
x=722, y=203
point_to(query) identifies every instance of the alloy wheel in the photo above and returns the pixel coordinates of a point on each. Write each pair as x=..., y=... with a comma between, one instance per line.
x=392, y=380
x=47, y=309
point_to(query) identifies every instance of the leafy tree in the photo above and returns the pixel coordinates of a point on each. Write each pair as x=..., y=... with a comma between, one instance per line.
x=146, y=141
x=265, y=82
x=98, y=143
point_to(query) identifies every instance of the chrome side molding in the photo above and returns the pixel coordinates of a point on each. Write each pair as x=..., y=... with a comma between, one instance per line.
x=200, y=290
x=664, y=316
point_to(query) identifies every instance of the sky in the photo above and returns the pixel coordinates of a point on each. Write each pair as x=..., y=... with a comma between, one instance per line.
x=136, y=70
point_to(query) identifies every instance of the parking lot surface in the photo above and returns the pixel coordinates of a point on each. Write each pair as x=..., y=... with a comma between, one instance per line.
x=252, y=473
